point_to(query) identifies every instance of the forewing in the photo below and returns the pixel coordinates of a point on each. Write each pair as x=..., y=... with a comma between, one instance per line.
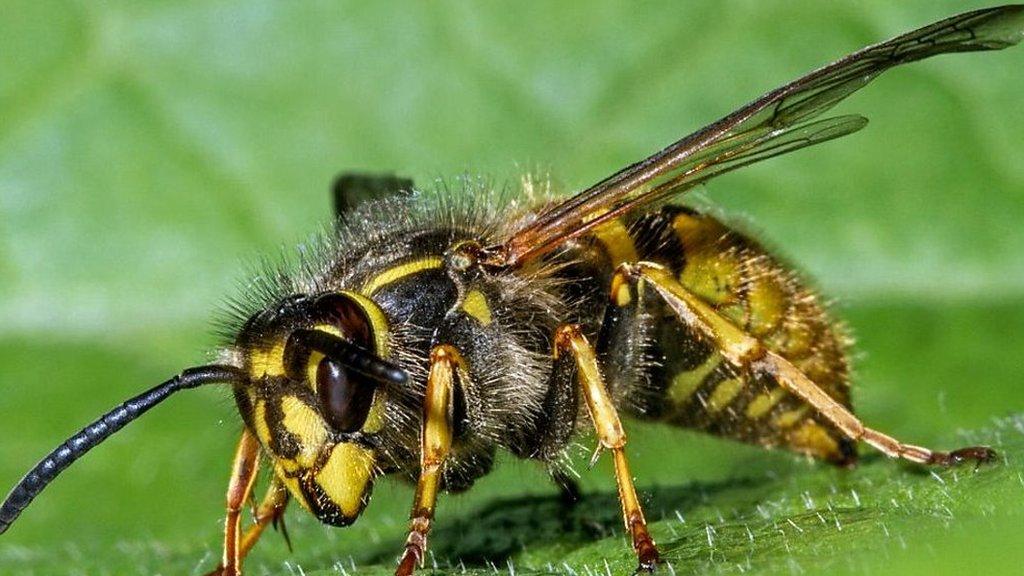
x=778, y=122
x=351, y=189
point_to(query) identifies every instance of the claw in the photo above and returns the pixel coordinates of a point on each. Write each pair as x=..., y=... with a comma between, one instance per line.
x=979, y=454
x=410, y=560
x=649, y=558
x=646, y=551
x=278, y=524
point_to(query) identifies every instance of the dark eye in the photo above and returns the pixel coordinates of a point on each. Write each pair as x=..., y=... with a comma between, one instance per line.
x=345, y=397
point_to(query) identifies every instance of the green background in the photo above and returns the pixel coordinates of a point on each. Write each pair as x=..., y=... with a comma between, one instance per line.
x=148, y=150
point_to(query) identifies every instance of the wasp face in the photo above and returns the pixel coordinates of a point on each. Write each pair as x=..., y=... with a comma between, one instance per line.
x=314, y=400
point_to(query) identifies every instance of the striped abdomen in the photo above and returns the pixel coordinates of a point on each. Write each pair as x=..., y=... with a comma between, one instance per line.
x=662, y=370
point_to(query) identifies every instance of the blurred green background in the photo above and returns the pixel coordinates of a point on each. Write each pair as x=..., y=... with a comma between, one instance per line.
x=148, y=150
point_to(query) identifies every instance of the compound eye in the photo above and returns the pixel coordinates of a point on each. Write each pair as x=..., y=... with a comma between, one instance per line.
x=345, y=397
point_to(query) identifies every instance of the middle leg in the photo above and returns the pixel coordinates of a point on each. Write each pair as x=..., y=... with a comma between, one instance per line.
x=611, y=436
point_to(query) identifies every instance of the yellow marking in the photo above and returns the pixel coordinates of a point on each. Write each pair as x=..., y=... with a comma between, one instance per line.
x=313, y=363
x=312, y=366
x=620, y=290
x=378, y=321
x=291, y=483
x=346, y=476
x=379, y=327
x=794, y=340
x=695, y=230
x=724, y=393
x=712, y=275
x=734, y=312
x=475, y=304
x=623, y=296
x=617, y=242
x=259, y=421
x=268, y=362
x=787, y=419
x=712, y=271
x=686, y=383
x=401, y=271
x=307, y=427
x=766, y=303
x=375, y=419
x=329, y=329
x=764, y=403
x=812, y=437
x=733, y=343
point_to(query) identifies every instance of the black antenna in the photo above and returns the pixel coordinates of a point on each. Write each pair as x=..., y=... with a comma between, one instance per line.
x=347, y=354
x=55, y=462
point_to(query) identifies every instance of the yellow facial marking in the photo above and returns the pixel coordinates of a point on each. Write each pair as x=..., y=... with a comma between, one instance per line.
x=685, y=384
x=378, y=321
x=346, y=475
x=291, y=483
x=308, y=428
x=616, y=241
x=401, y=271
x=724, y=393
x=764, y=403
x=329, y=329
x=311, y=368
x=268, y=362
x=375, y=419
x=476, y=306
x=259, y=421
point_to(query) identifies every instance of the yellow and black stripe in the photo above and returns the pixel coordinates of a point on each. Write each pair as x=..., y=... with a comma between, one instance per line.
x=687, y=382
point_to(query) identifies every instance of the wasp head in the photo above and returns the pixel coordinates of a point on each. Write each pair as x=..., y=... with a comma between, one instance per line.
x=314, y=399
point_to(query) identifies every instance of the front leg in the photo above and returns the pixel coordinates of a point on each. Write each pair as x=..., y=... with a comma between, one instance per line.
x=243, y=474
x=610, y=436
x=270, y=511
x=435, y=445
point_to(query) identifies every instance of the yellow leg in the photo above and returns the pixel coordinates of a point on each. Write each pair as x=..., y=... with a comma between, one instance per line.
x=269, y=512
x=436, y=442
x=610, y=436
x=243, y=474
x=749, y=354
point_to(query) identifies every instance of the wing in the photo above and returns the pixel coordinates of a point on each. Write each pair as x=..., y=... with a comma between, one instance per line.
x=778, y=122
x=352, y=189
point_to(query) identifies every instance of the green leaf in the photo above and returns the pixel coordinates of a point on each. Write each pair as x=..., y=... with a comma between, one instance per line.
x=148, y=150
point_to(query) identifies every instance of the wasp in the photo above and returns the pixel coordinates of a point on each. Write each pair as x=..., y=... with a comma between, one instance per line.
x=425, y=333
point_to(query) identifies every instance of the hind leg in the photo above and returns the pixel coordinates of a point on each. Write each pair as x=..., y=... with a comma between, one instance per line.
x=747, y=354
